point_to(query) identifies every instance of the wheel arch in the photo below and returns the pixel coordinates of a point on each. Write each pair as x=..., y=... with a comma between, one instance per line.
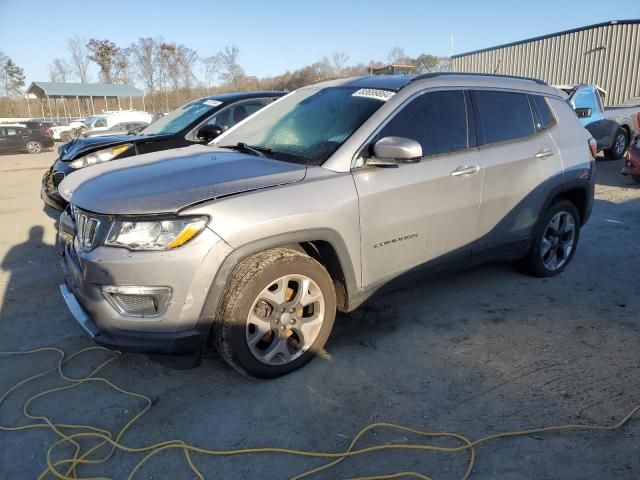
x=324, y=245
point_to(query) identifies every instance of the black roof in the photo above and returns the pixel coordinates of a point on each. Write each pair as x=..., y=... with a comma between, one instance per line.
x=472, y=74
x=235, y=96
x=550, y=35
x=386, y=82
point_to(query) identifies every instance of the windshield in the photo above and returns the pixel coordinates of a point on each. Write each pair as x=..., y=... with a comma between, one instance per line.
x=88, y=122
x=306, y=126
x=180, y=118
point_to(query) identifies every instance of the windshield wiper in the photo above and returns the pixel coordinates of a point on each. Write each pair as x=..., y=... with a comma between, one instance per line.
x=253, y=149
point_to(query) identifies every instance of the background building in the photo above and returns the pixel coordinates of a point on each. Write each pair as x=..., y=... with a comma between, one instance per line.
x=607, y=54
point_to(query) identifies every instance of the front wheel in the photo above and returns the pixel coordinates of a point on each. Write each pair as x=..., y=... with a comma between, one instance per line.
x=276, y=313
x=34, y=147
x=619, y=145
x=555, y=241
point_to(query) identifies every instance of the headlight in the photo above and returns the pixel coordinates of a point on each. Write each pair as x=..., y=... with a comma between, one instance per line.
x=154, y=235
x=100, y=156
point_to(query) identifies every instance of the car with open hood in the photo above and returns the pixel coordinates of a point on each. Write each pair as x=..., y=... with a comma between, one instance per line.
x=198, y=121
x=316, y=203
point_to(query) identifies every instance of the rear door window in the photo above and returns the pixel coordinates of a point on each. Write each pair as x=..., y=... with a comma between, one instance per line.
x=437, y=120
x=502, y=116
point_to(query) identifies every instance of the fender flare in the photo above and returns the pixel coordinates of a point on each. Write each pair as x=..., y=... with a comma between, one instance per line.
x=238, y=254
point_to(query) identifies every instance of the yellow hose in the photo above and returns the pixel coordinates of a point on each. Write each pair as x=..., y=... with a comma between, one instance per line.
x=68, y=468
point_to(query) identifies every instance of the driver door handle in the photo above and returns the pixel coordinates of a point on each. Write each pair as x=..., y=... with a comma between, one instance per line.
x=544, y=153
x=465, y=170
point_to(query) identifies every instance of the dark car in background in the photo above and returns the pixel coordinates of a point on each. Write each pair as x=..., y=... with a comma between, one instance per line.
x=198, y=121
x=38, y=125
x=22, y=139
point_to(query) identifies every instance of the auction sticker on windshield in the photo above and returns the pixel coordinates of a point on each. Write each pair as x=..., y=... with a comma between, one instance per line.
x=378, y=94
x=212, y=103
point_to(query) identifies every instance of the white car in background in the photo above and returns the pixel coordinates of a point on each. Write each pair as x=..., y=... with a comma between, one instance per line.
x=99, y=122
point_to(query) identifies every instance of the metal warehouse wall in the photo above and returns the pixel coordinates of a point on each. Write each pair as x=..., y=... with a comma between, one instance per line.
x=607, y=55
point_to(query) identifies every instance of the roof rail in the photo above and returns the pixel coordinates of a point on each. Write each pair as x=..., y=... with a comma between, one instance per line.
x=437, y=74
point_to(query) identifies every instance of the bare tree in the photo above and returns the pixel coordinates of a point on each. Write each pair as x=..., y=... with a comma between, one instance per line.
x=232, y=72
x=105, y=54
x=123, y=70
x=163, y=61
x=187, y=59
x=11, y=79
x=145, y=52
x=396, y=55
x=339, y=60
x=212, y=66
x=59, y=70
x=79, y=58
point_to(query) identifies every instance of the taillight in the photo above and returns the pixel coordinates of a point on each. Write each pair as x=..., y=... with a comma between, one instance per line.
x=48, y=132
x=593, y=147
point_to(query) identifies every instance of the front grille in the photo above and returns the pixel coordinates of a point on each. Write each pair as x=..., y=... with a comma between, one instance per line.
x=86, y=227
x=57, y=178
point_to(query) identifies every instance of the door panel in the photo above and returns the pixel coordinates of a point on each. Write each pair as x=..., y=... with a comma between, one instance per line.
x=422, y=212
x=417, y=213
x=521, y=166
x=516, y=185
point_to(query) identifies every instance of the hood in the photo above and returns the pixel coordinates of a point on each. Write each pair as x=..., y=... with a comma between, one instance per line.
x=168, y=181
x=81, y=146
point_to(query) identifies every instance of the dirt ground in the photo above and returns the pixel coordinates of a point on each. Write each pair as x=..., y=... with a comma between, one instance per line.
x=474, y=352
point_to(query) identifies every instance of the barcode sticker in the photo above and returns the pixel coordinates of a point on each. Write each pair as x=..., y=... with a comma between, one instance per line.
x=382, y=95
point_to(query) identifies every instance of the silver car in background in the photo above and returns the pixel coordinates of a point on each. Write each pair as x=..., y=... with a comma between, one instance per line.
x=314, y=204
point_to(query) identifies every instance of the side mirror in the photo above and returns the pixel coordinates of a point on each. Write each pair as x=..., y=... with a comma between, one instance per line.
x=583, y=112
x=208, y=132
x=389, y=151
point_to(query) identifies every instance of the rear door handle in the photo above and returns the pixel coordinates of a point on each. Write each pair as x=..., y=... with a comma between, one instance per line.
x=544, y=153
x=465, y=170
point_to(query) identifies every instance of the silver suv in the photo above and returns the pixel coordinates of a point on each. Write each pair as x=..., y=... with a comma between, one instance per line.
x=313, y=204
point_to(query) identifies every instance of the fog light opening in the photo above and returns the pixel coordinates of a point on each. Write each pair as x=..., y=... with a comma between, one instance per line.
x=140, y=302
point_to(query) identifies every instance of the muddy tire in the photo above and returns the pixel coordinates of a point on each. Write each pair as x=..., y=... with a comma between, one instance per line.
x=276, y=313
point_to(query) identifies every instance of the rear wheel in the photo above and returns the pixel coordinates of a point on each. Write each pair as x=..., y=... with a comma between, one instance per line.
x=555, y=242
x=34, y=147
x=276, y=313
x=619, y=145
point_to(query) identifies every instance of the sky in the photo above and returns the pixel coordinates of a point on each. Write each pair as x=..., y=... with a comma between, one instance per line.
x=275, y=36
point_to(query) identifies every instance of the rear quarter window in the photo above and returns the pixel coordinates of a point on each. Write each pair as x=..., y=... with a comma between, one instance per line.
x=542, y=112
x=502, y=116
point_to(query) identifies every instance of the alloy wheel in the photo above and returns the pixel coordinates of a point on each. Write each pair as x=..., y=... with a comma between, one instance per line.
x=558, y=241
x=621, y=144
x=34, y=147
x=285, y=319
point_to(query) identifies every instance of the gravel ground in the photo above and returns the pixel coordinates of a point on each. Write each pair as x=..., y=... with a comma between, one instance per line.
x=474, y=352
